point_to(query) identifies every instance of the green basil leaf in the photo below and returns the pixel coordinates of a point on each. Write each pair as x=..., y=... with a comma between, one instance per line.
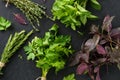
x=69, y=77
x=95, y=4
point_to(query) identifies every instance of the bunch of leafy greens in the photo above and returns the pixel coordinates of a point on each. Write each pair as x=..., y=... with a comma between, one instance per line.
x=73, y=13
x=4, y=24
x=49, y=51
x=32, y=10
x=102, y=49
x=69, y=77
x=13, y=44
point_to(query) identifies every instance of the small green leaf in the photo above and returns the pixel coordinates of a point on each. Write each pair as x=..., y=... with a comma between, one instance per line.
x=95, y=4
x=4, y=24
x=73, y=26
x=69, y=77
x=83, y=19
x=28, y=49
x=54, y=27
x=31, y=56
x=92, y=17
x=58, y=65
x=1, y=28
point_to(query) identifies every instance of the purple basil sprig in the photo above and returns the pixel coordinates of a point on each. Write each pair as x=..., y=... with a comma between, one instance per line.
x=102, y=48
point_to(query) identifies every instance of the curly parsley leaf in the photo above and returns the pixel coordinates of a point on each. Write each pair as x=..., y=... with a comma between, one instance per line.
x=4, y=23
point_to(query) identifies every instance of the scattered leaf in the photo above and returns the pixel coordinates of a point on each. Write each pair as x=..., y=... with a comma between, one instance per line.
x=4, y=23
x=95, y=4
x=20, y=19
x=69, y=77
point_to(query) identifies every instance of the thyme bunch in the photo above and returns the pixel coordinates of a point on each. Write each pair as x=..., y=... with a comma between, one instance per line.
x=32, y=10
x=13, y=44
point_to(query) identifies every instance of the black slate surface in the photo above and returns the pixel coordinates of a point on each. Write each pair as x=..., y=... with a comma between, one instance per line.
x=21, y=69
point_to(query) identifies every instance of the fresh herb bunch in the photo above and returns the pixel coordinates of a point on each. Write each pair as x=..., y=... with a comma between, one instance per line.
x=103, y=48
x=32, y=10
x=4, y=23
x=49, y=51
x=13, y=44
x=69, y=77
x=73, y=13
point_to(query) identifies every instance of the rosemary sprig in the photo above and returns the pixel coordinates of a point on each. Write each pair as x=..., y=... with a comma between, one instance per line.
x=13, y=44
x=32, y=10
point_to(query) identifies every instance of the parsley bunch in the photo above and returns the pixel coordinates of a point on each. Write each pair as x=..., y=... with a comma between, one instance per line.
x=73, y=13
x=49, y=51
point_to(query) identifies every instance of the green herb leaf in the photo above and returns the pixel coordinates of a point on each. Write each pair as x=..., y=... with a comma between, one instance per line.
x=69, y=77
x=4, y=23
x=73, y=13
x=95, y=4
x=31, y=56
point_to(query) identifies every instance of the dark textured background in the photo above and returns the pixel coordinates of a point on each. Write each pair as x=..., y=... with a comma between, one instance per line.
x=21, y=69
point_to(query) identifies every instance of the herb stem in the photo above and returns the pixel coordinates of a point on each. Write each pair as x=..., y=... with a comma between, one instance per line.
x=44, y=74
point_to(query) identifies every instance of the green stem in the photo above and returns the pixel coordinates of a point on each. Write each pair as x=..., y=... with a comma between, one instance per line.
x=43, y=78
x=44, y=74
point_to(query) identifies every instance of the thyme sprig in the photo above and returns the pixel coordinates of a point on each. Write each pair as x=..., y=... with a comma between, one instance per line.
x=32, y=10
x=13, y=44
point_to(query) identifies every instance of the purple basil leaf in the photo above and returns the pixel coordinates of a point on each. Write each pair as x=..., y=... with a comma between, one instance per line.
x=107, y=23
x=96, y=69
x=20, y=19
x=100, y=50
x=91, y=43
x=96, y=39
x=98, y=76
x=79, y=56
x=101, y=60
x=82, y=68
x=94, y=29
x=85, y=57
x=90, y=72
x=75, y=59
x=106, y=19
x=103, y=42
x=115, y=33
